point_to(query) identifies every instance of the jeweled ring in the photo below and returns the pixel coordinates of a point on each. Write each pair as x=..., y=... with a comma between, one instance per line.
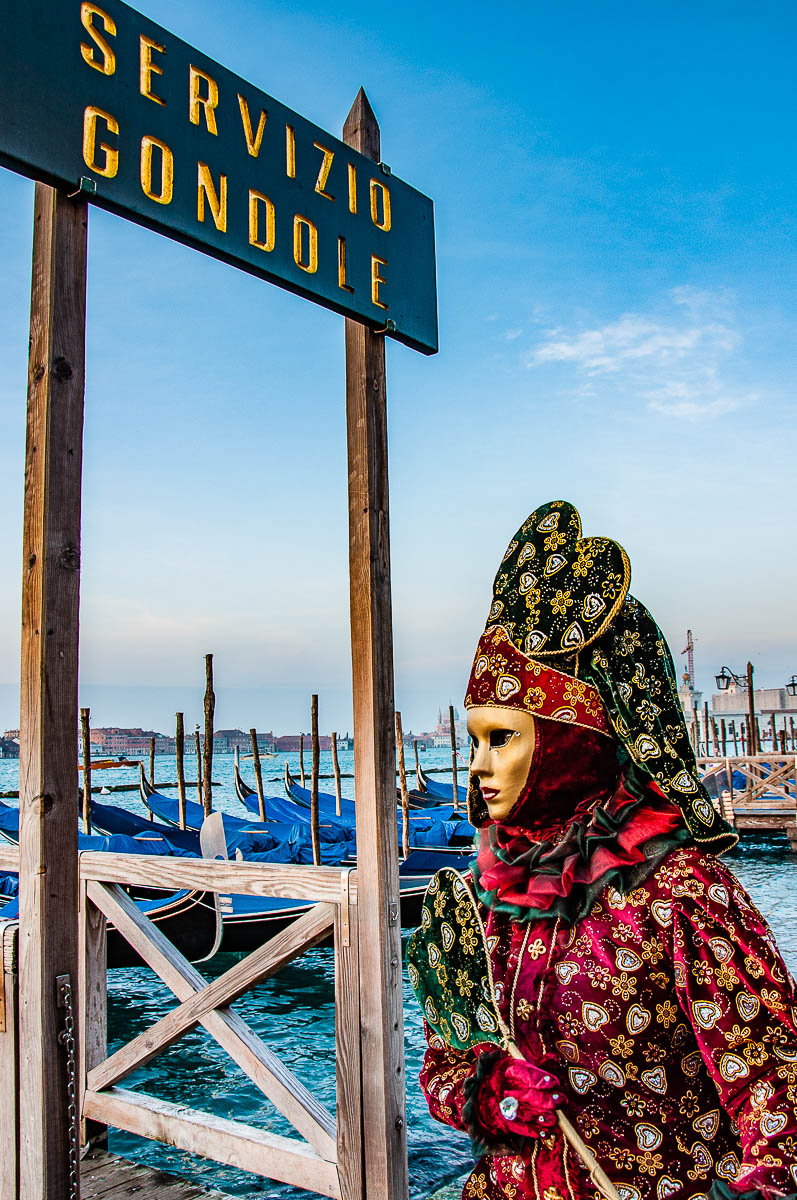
x=508, y=1107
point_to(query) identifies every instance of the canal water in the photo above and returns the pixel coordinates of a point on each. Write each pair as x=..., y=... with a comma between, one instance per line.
x=293, y=1013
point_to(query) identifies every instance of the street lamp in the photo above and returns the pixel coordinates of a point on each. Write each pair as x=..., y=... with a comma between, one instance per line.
x=791, y=686
x=724, y=679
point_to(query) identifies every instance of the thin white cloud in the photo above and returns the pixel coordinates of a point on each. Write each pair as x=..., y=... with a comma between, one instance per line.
x=677, y=361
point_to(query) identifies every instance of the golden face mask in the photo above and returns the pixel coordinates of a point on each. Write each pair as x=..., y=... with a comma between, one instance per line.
x=503, y=746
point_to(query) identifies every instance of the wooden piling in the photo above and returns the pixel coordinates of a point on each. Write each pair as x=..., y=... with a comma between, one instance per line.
x=207, y=758
x=179, y=750
x=85, y=737
x=301, y=760
x=417, y=765
x=405, y=796
x=706, y=728
x=715, y=735
x=261, y=797
x=735, y=737
x=381, y=1009
x=198, y=748
x=48, y=783
x=336, y=772
x=314, y=833
x=152, y=761
x=743, y=735
x=453, y=732
x=753, y=742
x=724, y=737
x=791, y=727
x=774, y=726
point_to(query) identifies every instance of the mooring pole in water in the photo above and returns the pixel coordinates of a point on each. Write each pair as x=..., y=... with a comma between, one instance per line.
x=207, y=764
x=301, y=759
x=179, y=750
x=261, y=798
x=381, y=1015
x=48, y=777
x=152, y=761
x=417, y=766
x=336, y=772
x=314, y=833
x=453, y=732
x=85, y=739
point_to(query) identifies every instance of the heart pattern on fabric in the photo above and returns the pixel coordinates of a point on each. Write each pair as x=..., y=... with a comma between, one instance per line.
x=703, y=1160
x=565, y=971
x=627, y=960
x=485, y=1019
x=637, y=1018
x=434, y=955
x=628, y=1192
x=703, y=810
x=593, y=1015
x=648, y=1137
x=721, y=949
x=568, y=1051
x=772, y=1123
x=611, y=1073
x=732, y=1067
x=448, y=936
x=662, y=912
x=747, y=1005
x=728, y=1167
x=581, y=1080
x=577, y=580
x=461, y=1026
x=506, y=686
x=706, y=1013
x=761, y=1091
x=655, y=1079
x=786, y=1053
x=720, y=894
x=667, y=1186
x=707, y=1124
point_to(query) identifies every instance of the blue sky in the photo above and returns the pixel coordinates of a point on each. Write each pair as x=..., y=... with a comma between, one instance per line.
x=614, y=191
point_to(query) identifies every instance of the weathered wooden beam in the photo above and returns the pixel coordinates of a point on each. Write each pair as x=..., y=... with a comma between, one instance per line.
x=405, y=798
x=93, y=992
x=232, y=1142
x=261, y=798
x=382, y=1021
x=314, y=833
x=347, y=1052
x=210, y=712
x=49, y=679
x=179, y=749
x=85, y=740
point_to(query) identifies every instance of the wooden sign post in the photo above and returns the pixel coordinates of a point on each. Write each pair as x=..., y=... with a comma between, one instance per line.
x=48, y=777
x=381, y=1015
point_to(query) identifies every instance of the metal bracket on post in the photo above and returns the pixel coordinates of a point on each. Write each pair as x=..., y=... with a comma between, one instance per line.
x=345, y=902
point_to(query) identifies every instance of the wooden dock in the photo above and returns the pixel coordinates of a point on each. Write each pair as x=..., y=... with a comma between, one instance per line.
x=112, y=1178
x=766, y=801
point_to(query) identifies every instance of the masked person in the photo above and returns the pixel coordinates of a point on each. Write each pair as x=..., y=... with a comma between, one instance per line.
x=640, y=983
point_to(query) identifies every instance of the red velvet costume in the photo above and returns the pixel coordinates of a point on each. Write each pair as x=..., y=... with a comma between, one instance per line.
x=640, y=984
x=666, y=1013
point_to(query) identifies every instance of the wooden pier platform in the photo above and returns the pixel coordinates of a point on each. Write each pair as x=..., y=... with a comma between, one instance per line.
x=105, y=1176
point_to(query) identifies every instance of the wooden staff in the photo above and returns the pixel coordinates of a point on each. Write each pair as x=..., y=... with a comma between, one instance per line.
x=724, y=737
x=198, y=765
x=417, y=765
x=179, y=751
x=152, y=761
x=453, y=755
x=314, y=782
x=301, y=759
x=207, y=764
x=405, y=796
x=336, y=769
x=85, y=733
x=261, y=798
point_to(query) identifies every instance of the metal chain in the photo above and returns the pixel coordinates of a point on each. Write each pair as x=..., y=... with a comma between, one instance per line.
x=66, y=1037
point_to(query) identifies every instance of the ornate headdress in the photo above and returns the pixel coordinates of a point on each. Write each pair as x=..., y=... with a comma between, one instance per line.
x=566, y=642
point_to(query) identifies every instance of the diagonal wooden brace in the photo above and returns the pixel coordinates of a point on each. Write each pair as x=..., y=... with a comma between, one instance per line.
x=205, y=1004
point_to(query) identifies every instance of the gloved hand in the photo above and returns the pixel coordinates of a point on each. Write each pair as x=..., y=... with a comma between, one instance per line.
x=516, y=1097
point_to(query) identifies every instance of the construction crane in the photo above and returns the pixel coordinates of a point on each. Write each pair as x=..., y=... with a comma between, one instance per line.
x=689, y=651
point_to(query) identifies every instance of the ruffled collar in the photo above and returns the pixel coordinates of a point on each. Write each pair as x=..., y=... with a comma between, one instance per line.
x=558, y=872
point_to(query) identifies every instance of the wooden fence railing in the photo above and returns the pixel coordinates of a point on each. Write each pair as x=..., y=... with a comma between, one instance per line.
x=765, y=799
x=326, y=1154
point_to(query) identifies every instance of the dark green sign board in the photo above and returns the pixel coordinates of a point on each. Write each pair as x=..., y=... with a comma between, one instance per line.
x=96, y=96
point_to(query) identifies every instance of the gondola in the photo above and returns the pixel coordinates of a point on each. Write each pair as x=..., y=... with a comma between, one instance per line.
x=442, y=791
